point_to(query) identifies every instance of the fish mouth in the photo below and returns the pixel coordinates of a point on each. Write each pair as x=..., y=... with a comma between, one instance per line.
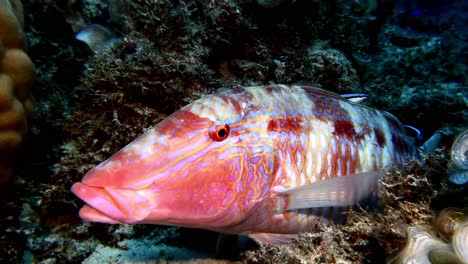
x=111, y=205
x=90, y=214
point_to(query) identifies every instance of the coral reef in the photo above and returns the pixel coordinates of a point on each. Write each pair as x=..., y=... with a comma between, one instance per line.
x=270, y=3
x=332, y=69
x=413, y=89
x=16, y=77
x=168, y=53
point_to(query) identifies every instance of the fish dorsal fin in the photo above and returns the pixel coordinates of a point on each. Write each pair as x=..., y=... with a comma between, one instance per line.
x=335, y=192
x=393, y=120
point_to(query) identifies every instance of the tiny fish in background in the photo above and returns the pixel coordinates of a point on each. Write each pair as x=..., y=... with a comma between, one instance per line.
x=264, y=161
x=97, y=37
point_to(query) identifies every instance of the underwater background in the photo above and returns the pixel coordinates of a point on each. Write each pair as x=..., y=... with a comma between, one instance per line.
x=81, y=79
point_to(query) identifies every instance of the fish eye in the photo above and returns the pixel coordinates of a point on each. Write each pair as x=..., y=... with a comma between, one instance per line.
x=220, y=132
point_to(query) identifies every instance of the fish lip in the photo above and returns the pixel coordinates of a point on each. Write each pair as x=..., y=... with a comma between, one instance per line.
x=91, y=177
x=90, y=214
x=102, y=205
x=98, y=199
x=103, y=177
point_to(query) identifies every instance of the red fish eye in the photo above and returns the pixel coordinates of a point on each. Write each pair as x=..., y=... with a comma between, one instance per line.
x=220, y=132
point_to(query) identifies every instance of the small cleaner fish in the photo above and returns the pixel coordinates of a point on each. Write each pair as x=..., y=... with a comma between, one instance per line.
x=263, y=161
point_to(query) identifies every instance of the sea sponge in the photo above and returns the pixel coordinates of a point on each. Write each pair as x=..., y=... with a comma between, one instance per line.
x=20, y=68
x=11, y=24
x=16, y=77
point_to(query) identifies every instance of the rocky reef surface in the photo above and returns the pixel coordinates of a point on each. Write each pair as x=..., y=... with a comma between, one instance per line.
x=107, y=70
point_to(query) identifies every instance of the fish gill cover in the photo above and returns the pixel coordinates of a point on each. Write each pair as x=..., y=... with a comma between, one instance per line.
x=154, y=57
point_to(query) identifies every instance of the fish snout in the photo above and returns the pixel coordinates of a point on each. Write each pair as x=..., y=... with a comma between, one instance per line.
x=111, y=205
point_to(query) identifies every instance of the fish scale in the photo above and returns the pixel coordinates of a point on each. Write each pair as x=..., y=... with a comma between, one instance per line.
x=253, y=160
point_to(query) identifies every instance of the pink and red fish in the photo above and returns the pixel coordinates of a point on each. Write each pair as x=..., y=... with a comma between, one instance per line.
x=257, y=160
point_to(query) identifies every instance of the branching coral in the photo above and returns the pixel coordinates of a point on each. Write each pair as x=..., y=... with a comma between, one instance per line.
x=16, y=76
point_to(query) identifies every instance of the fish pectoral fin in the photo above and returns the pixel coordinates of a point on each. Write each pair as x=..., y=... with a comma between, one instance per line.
x=335, y=192
x=272, y=238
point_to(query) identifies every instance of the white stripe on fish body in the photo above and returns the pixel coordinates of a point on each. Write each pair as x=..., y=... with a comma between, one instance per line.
x=308, y=160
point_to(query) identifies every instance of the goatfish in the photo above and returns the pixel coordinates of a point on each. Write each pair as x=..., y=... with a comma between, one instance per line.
x=262, y=161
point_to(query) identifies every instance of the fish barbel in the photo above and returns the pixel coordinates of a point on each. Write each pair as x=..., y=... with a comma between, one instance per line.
x=266, y=159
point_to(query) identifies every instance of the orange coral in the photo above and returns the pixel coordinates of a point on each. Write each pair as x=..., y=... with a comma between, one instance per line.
x=16, y=77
